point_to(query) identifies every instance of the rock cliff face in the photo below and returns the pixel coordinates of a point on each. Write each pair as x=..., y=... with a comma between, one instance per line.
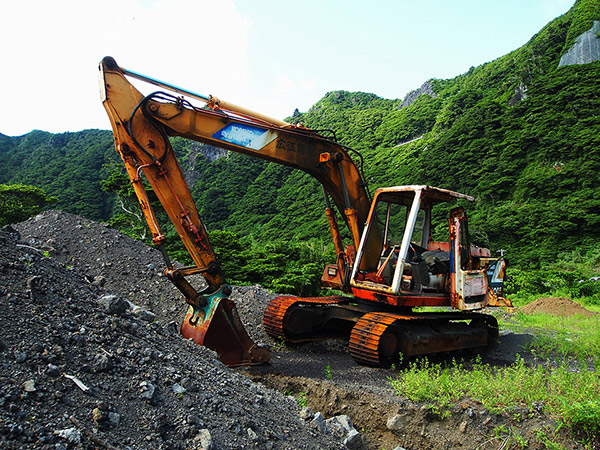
x=212, y=153
x=520, y=94
x=199, y=150
x=425, y=89
x=585, y=49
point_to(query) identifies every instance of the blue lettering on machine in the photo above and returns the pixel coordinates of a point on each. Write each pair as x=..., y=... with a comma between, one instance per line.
x=248, y=136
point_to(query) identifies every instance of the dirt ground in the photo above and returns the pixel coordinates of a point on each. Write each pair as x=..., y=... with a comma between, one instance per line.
x=149, y=388
x=556, y=306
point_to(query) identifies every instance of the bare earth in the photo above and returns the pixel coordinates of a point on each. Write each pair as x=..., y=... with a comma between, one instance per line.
x=80, y=370
x=556, y=306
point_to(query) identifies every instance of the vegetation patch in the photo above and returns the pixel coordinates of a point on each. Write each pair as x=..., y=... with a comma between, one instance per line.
x=561, y=378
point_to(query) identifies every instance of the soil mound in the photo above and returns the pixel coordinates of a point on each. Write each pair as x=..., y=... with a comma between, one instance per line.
x=556, y=306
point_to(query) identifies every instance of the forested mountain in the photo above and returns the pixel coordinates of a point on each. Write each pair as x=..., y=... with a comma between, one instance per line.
x=68, y=166
x=520, y=133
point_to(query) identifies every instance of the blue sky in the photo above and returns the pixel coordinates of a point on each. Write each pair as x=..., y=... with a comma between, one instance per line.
x=267, y=55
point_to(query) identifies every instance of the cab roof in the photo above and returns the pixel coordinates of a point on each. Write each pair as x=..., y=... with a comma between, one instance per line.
x=428, y=193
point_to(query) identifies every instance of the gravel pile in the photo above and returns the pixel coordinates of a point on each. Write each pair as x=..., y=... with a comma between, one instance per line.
x=90, y=355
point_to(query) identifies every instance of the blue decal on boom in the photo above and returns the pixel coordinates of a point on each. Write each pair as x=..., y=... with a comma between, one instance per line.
x=244, y=135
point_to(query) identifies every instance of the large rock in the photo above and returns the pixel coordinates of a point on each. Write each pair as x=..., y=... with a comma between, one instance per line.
x=585, y=49
x=113, y=304
x=425, y=89
x=343, y=427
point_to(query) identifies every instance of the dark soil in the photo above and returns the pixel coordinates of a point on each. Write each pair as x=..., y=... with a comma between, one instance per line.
x=80, y=367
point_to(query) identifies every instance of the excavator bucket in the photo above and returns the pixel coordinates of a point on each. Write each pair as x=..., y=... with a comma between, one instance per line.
x=217, y=326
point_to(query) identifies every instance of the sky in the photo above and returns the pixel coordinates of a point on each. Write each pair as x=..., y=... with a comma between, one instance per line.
x=270, y=56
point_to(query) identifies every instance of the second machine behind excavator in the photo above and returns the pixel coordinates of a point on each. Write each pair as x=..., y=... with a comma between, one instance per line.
x=392, y=265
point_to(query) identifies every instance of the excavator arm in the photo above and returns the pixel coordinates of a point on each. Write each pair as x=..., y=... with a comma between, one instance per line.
x=142, y=126
x=149, y=120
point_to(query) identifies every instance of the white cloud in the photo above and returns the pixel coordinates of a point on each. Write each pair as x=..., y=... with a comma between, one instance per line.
x=52, y=50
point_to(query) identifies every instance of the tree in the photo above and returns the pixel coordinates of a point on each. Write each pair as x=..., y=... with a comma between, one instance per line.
x=130, y=219
x=18, y=202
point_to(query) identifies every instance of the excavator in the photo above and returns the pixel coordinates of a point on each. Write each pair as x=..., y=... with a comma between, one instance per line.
x=398, y=291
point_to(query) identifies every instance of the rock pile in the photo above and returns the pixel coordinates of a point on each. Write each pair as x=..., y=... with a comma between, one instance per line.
x=91, y=360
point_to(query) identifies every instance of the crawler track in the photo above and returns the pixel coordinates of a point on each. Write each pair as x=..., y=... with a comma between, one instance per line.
x=376, y=338
x=279, y=322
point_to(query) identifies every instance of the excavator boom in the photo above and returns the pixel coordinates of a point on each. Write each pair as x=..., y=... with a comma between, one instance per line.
x=159, y=115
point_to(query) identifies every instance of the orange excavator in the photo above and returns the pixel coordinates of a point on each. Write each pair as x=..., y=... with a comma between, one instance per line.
x=392, y=265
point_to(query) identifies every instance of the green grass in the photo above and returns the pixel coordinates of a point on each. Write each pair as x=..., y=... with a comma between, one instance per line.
x=302, y=399
x=573, y=337
x=565, y=382
x=568, y=394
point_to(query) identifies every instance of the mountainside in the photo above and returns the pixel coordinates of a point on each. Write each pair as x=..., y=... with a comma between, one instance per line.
x=66, y=165
x=519, y=133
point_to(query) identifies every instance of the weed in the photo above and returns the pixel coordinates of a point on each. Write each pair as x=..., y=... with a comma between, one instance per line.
x=584, y=416
x=499, y=431
x=279, y=344
x=328, y=373
x=548, y=443
x=46, y=253
x=302, y=399
x=441, y=413
x=509, y=437
x=520, y=440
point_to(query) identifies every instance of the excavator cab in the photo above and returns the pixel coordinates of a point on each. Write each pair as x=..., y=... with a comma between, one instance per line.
x=411, y=268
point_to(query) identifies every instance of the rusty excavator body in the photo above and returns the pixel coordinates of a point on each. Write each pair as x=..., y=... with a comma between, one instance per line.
x=391, y=266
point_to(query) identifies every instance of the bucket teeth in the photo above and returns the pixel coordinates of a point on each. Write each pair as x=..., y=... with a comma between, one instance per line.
x=220, y=329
